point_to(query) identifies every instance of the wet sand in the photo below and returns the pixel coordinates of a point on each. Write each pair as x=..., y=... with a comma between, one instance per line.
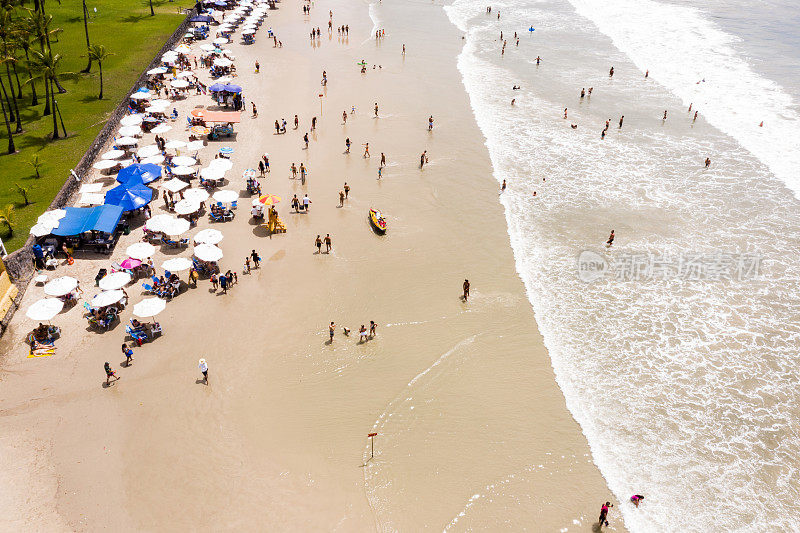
x=472, y=430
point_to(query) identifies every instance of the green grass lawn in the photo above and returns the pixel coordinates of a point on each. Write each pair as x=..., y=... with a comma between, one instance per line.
x=127, y=30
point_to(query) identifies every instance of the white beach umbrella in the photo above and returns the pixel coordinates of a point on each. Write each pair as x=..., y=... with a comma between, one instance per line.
x=131, y=120
x=43, y=228
x=207, y=252
x=160, y=101
x=224, y=164
x=182, y=49
x=220, y=40
x=60, y=286
x=92, y=198
x=90, y=187
x=224, y=80
x=169, y=57
x=208, y=47
x=155, y=223
x=157, y=70
x=177, y=264
x=140, y=96
x=226, y=195
x=45, y=309
x=156, y=109
x=153, y=160
x=208, y=236
x=222, y=62
x=113, y=154
x=184, y=161
x=194, y=146
x=196, y=195
x=148, y=151
x=130, y=131
x=105, y=164
x=126, y=141
x=176, y=226
x=175, y=144
x=248, y=32
x=115, y=280
x=184, y=74
x=142, y=250
x=161, y=128
x=53, y=215
x=187, y=207
x=107, y=298
x=174, y=185
x=183, y=171
x=212, y=173
x=149, y=307
x=180, y=84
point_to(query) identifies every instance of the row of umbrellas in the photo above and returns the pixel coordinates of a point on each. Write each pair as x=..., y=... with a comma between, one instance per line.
x=48, y=308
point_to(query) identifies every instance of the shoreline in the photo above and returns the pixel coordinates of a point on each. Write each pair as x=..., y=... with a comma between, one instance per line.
x=283, y=424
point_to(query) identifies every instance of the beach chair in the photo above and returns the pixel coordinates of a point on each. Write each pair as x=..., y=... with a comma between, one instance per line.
x=215, y=217
x=167, y=274
x=228, y=215
x=136, y=335
x=235, y=204
x=148, y=289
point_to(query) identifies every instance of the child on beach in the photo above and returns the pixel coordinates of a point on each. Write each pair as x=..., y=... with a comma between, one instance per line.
x=362, y=334
x=246, y=265
x=109, y=373
x=128, y=353
x=204, y=369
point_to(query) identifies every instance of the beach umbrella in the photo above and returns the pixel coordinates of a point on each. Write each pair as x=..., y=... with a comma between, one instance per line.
x=183, y=49
x=151, y=119
x=130, y=263
x=153, y=160
x=161, y=128
x=139, y=96
x=113, y=154
x=45, y=309
x=130, y=131
x=184, y=74
x=196, y=195
x=194, y=146
x=60, y=286
x=224, y=164
x=199, y=130
x=222, y=62
x=144, y=173
x=248, y=32
x=269, y=199
x=149, y=307
x=126, y=141
x=212, y=173
x=176, y=226
x=105, y=164
x=174, y=185
x=198, y=112
x=115, y=280
x=156, y=109
x=184, y=161
x=187, y=207
x=43, y=228
x=179, y=84
x=226, y=150
x=207, y=47
x=177, y=264
x=208, y=236
x=220, y=40
x=148, y=151
x=130, y=195
x=175, y=144
x=217, y=87
x=183, y=171
x=142, y=250
x=131, y=120
x=157, y=223
x=207, y=252
x=157, y=70
x=53, y=215
x=107, y=298
x=226, y=195
x=91, y=198
x=233, y=88
x=90, y=187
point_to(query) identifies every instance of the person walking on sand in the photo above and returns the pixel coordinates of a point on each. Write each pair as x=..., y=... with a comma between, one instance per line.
x=306, y=203
x=305, y=138
x=466, y=289
x=347, y=144
x=328, y=243
x=610, y=241
x=109, y=373
x=341, y=198
x=611, y=73
x=246, y=269
x=565, y=112
x=293, y=168
x=344, y=117
x=128, y=353
x=372, y=328
x=295, y=204
x=430, y=123
x=214, y=281
x=318, y=244
x=204, y=370
x=376, y=109
x=366, y=150
x=404, y=49
x=331, y=330
x=362, y=334
x=256, y=259
x=380, y=172
x=708, y=162
x=665, y=115
x=423, y=158
x=258, y=67
x=604, y=513
x=255, y=111
x=346, y=191
x=383, y=159
x=503, y=186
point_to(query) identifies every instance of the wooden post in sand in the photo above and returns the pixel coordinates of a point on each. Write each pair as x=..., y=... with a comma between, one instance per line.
x=372, y=441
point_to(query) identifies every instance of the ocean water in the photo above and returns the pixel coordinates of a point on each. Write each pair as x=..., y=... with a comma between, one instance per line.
x=680, y=360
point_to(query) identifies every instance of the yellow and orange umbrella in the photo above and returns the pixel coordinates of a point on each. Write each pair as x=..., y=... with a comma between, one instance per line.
x=199, y=130
x=269, y=199
x=197, y=112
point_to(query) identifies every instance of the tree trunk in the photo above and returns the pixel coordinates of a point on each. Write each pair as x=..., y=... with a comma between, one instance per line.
x=55, y=118
x=152, y=13
x=11, y=148
x=100, y=66
x=16, y=75
x=34, y=98
x=47, y=109
x=14, y=99
x=61, y=119
x=86, y=31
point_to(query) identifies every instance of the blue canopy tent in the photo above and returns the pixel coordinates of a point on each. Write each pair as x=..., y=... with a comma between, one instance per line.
x=143, y=173
x=79, y=220
x=131, y=195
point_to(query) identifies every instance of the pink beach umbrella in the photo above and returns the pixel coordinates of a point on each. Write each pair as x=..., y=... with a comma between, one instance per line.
x=130, y=263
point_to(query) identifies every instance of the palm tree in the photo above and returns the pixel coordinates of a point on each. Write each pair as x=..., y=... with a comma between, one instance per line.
x=47, y=68
x=24, y=191
x=8, y=218
x=26, y=38
x=86, y=31
x=36, y=163
x=152, y=13
x=98, y=52
x=11, y=148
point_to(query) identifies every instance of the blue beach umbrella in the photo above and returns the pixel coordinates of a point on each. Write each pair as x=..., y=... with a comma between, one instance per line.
x=145, y=173
x=233, y=88
x=217, y=87
x=130, y=195
x=227, y=150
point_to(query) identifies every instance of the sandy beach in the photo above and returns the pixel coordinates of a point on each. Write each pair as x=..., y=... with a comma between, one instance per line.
x=473, y=432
